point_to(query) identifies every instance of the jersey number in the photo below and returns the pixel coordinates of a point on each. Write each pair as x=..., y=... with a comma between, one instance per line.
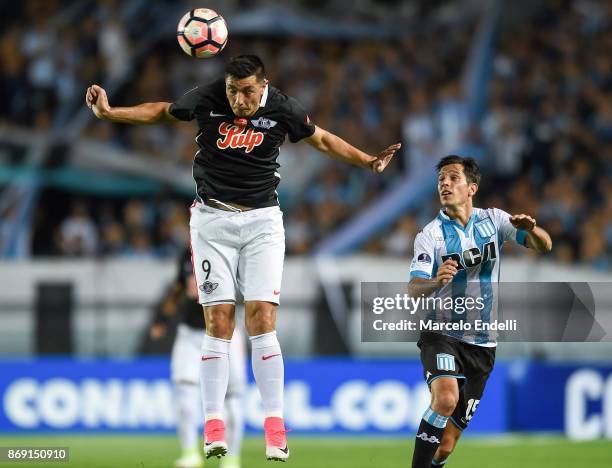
x=206, y=268
x=471, y=409
x=472, y=257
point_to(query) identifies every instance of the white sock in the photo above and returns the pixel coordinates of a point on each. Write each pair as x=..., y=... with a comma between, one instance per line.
x=269, y=372
x=234, y=423
x=214, y=374
x=187, y=414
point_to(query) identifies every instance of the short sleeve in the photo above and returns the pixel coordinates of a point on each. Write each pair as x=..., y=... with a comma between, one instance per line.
x=507, y=231
x=300, y=125
x=184, y=107
x=422, y=265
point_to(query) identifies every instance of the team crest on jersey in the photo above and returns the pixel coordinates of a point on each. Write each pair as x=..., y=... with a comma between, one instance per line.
x=485, y=227
x=238, y=137
x=208, y=287
x=262, y=122
x=445, y=362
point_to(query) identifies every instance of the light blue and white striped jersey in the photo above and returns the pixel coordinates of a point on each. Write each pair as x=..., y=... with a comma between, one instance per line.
x=477, y=250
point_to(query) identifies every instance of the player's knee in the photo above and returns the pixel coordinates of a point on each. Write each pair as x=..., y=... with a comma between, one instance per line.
x=261, y=318
x=220, y=323
x=445, y=402
x=220, y=328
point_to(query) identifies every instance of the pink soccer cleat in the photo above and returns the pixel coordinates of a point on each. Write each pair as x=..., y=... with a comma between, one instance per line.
x=214, y=438
x=276, y=440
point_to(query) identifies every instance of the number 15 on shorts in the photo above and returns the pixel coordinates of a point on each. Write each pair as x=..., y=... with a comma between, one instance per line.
x=471, y=408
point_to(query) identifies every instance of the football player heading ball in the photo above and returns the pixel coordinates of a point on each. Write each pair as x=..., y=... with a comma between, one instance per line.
x=236, y=226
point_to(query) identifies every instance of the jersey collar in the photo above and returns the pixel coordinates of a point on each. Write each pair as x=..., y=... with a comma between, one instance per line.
x=442, y=216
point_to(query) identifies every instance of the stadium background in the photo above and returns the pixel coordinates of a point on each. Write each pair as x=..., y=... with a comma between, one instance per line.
x=93, y=215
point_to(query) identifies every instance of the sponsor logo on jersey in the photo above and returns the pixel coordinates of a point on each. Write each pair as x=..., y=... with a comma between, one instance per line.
x=445, y=362
x=208, y=287
x=433, y=439
x=473, y=256
x=262, y=122
x=238, y=137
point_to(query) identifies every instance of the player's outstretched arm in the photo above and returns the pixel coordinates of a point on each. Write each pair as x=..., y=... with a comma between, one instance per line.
x=425, y=287
x=537, y=238
x=147, y=113
x=337, y=148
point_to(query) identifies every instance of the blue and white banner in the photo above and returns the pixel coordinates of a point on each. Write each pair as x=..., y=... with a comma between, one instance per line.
x=322, y=396
x=576, y=399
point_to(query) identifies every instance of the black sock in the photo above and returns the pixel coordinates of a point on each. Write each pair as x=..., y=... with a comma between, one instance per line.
x=428, y=439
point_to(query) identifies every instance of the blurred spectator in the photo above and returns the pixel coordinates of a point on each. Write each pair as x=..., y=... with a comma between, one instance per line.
x=299, y=232
x=401, y=240
x=77, y=235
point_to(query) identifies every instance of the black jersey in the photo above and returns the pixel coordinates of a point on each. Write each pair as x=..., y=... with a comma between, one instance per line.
x=237, y=163
x=188, y=308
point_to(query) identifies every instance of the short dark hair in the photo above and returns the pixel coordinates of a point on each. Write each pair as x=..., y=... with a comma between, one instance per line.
x=243, y=66
x=470, y=167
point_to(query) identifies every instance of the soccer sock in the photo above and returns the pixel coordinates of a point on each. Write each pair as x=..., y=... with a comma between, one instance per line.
x=214, y=375
x=234, y=423
x=188, y=415
x=435, y=463
x=428, y=439
x=269, y=372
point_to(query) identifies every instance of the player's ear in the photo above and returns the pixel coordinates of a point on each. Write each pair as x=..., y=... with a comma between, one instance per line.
x=473, y=189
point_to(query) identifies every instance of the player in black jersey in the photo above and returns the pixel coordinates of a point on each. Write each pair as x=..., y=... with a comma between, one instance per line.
x=237, y=232
x=181, y=300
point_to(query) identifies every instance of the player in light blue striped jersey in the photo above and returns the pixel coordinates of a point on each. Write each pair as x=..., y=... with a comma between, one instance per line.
x=457, y=259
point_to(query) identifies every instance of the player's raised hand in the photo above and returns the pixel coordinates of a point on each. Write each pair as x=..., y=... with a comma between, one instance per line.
x=384, y=157
x=97, y=100
x=523, y=221
x=158, y=331
x=446, y=272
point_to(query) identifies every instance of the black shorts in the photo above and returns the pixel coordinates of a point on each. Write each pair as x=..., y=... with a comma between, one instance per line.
x=471, y=365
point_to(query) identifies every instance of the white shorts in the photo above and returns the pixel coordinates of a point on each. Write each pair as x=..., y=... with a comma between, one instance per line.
x=186, y=358
x=237, y=256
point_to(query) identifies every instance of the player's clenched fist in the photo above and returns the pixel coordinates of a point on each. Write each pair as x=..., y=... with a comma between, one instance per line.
x=97, y=101
x=523, y=221
x=446, y=272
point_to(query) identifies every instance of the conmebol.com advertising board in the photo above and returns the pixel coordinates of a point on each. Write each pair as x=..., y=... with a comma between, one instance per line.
x=322, y=396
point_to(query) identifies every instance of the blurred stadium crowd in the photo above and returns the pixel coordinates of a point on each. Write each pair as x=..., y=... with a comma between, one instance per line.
x=546, y=135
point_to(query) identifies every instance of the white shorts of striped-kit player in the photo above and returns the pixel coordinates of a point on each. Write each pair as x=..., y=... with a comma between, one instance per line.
x=237, y=256
x=187, y=354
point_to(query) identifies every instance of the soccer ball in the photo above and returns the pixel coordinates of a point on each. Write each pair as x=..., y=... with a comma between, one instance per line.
x=202, y=33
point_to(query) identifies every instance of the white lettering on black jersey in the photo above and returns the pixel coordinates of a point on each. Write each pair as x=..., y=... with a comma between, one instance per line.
x=238, y=163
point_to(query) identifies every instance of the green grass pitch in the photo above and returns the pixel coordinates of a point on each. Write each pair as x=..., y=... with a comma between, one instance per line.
x=139, y=451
